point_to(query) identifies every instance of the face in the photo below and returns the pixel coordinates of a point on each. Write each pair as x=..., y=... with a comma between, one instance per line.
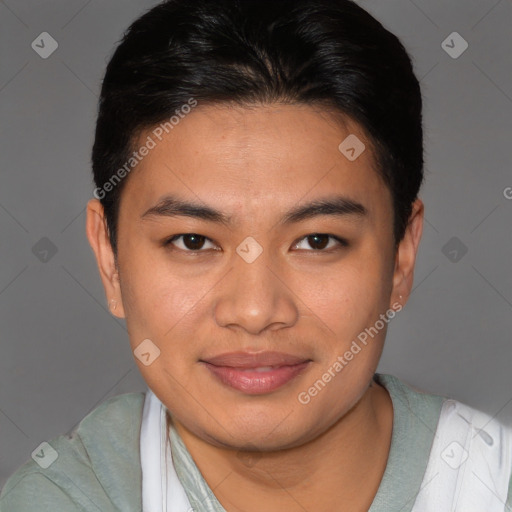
x=247, y=230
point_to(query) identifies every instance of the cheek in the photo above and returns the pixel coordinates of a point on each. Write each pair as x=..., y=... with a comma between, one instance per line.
x=350, y=295
x=156, y=297
x=162, y=306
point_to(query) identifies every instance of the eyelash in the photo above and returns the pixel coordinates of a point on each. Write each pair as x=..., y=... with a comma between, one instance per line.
x=341, y=242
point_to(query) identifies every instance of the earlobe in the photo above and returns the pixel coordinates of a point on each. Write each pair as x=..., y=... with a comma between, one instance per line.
x=405, y=259
x=97, y=234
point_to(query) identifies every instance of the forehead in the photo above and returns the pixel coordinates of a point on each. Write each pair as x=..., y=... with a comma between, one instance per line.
x=255, y=155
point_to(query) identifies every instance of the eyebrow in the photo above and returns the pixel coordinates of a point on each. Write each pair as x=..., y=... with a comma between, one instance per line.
x=335, y=206
x=170, y=206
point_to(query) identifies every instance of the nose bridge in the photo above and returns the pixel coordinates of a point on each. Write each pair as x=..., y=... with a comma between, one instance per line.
x=254, y=279
x=253, y=297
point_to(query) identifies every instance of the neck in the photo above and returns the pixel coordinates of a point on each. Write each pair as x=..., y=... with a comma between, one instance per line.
x=343, y=471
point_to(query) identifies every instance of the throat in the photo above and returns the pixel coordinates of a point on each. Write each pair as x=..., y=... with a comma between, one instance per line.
x=344, y=465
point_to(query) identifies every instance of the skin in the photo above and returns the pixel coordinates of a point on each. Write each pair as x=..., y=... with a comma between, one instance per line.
x=308, y=299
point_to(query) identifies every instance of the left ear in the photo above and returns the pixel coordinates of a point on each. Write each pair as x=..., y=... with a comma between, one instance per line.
x=405, y=258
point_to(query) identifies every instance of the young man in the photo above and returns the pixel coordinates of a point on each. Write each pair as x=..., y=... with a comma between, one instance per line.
x=256, y=222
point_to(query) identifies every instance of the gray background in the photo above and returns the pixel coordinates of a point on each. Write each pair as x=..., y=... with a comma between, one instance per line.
x=62, y=353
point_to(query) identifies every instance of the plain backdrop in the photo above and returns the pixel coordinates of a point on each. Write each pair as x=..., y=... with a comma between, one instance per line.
x=62, y=353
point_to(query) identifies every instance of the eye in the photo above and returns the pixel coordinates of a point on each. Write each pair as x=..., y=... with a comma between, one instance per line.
x=190, y=242
x=321, y=242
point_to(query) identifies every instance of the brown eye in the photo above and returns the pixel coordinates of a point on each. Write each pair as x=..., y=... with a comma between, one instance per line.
x=320, y=242
x=189, y=242
x=193, y=242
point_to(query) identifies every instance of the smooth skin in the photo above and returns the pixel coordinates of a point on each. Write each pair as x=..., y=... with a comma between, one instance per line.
x=197, y=297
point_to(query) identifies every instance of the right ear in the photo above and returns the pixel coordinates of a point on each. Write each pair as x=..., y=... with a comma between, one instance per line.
x=97, y=233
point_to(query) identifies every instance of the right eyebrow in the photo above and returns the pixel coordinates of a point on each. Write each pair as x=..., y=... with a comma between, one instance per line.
x=170, y=206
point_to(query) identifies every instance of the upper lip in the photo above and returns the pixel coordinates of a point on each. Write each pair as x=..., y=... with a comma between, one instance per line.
x=255, y=360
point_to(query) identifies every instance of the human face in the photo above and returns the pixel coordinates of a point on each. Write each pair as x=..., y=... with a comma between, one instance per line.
x=249, y=172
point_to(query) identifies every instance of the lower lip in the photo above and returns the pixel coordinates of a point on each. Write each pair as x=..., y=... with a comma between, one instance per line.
x=253, y=382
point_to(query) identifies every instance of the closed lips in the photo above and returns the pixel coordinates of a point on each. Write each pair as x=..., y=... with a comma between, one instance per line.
x=262, y=361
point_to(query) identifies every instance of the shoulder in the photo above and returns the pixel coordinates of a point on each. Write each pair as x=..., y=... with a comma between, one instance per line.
x=95, y=467
x=463, y=435
x=413, y=403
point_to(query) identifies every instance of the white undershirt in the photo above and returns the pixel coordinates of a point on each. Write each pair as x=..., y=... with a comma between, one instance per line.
x=468, y=470
x=158, y=473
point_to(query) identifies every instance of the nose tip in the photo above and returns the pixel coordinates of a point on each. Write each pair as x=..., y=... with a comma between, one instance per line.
x=252, y=297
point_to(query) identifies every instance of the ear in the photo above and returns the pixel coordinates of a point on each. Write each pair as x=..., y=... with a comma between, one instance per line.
x=97, y=233
x=405, y=258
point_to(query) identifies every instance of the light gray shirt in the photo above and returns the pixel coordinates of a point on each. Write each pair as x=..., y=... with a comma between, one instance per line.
x=98, y=464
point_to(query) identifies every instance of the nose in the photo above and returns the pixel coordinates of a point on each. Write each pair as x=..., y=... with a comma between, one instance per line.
x=254, y=297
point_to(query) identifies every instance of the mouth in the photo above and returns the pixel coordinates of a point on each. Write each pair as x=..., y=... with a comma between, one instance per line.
x=255, y=373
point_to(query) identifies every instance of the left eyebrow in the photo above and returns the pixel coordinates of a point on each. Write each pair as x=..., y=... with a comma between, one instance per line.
x=336, y=206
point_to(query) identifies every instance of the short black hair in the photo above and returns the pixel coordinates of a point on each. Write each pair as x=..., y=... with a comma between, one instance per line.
x=248, y=52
